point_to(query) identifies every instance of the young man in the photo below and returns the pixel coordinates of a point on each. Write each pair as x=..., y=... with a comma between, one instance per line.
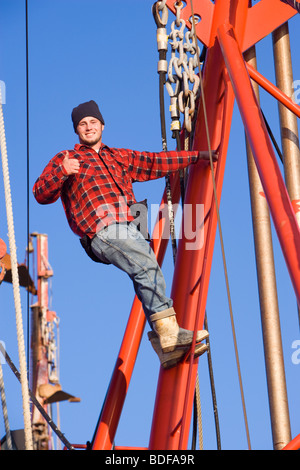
x=94, y=183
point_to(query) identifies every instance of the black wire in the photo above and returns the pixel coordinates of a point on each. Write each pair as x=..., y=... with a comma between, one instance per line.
x=213, y=389
x=272, y=137
x=195, y=423
x=27, y=152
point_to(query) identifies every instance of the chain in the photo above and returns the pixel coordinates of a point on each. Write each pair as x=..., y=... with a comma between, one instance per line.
x=183, y=82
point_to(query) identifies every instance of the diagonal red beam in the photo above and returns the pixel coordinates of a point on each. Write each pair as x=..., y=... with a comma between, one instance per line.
x=117, y=391
x=294, y=444
x=273, y=90
x=272, y=181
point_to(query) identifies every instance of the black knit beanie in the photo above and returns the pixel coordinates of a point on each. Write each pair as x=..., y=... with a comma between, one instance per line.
x=90, y=108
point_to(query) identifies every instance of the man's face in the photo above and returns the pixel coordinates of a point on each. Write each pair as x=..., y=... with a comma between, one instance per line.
x=89, y=131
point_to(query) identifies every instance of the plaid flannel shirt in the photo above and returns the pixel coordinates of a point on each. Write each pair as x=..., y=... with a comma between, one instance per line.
x=101, y=192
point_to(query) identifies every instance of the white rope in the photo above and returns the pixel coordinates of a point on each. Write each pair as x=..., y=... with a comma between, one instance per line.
x=16, y=285
x=199, y=412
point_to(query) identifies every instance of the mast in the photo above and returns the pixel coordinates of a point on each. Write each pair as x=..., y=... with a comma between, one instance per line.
x=39, y=364
x=271, y=330
x=288, y=120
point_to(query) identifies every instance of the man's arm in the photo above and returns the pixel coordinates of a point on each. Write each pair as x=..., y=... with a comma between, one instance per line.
x=47, y=188
x=144, y=166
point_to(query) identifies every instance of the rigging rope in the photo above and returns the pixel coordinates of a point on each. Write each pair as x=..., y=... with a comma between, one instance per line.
x=16, y=285
x=272, y=137
x=197, y=402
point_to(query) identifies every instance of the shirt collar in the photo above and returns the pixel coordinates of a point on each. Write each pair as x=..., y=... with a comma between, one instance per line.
x=82, y=147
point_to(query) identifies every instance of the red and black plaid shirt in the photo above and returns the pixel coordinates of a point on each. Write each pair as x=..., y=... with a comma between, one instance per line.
x=101, y=193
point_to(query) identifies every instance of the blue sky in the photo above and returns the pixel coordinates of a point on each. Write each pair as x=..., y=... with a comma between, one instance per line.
x=89, y=49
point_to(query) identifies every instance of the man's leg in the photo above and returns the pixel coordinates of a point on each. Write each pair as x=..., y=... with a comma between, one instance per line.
x=125, y=247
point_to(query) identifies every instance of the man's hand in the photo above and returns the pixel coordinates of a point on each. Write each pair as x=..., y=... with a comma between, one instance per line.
x=204, y=155
x=71, y=165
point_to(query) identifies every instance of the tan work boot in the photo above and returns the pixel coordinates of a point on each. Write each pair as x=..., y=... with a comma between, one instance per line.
x=170, y=334
x=170, y=359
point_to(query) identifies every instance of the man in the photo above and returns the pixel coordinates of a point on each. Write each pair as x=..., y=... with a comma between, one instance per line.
x=94, y=183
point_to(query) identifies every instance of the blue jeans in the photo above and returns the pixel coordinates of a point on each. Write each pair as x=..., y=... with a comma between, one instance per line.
x=125, y=247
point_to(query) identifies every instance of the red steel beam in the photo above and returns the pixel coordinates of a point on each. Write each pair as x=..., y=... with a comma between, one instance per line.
x=272, y=181
x=273, y=90
x=294, y=444
x=117, y=391
x=175, y=391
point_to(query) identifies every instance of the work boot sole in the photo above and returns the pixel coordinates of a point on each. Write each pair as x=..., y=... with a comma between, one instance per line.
x=171, y=358
x=183, y=339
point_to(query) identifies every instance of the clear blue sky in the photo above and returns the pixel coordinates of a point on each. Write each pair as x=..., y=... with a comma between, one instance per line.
x=89, y=49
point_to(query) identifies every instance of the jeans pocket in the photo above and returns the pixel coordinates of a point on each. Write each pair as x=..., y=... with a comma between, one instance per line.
x=96, y=249
x=134, y=232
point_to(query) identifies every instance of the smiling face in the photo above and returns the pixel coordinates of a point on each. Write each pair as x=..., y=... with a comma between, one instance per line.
x=90, y=131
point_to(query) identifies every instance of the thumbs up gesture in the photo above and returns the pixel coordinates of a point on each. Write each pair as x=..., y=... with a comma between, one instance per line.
x=71, y=165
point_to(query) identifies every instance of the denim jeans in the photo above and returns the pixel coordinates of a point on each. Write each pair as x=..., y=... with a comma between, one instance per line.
x=125, y=247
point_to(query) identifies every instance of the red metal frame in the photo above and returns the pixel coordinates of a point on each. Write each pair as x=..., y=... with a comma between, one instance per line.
x=273, y=90
x=274, y=187
x=294, y=444
x=227, y=28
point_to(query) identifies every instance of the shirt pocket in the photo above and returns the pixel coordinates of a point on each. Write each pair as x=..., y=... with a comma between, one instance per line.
x=89, y=170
